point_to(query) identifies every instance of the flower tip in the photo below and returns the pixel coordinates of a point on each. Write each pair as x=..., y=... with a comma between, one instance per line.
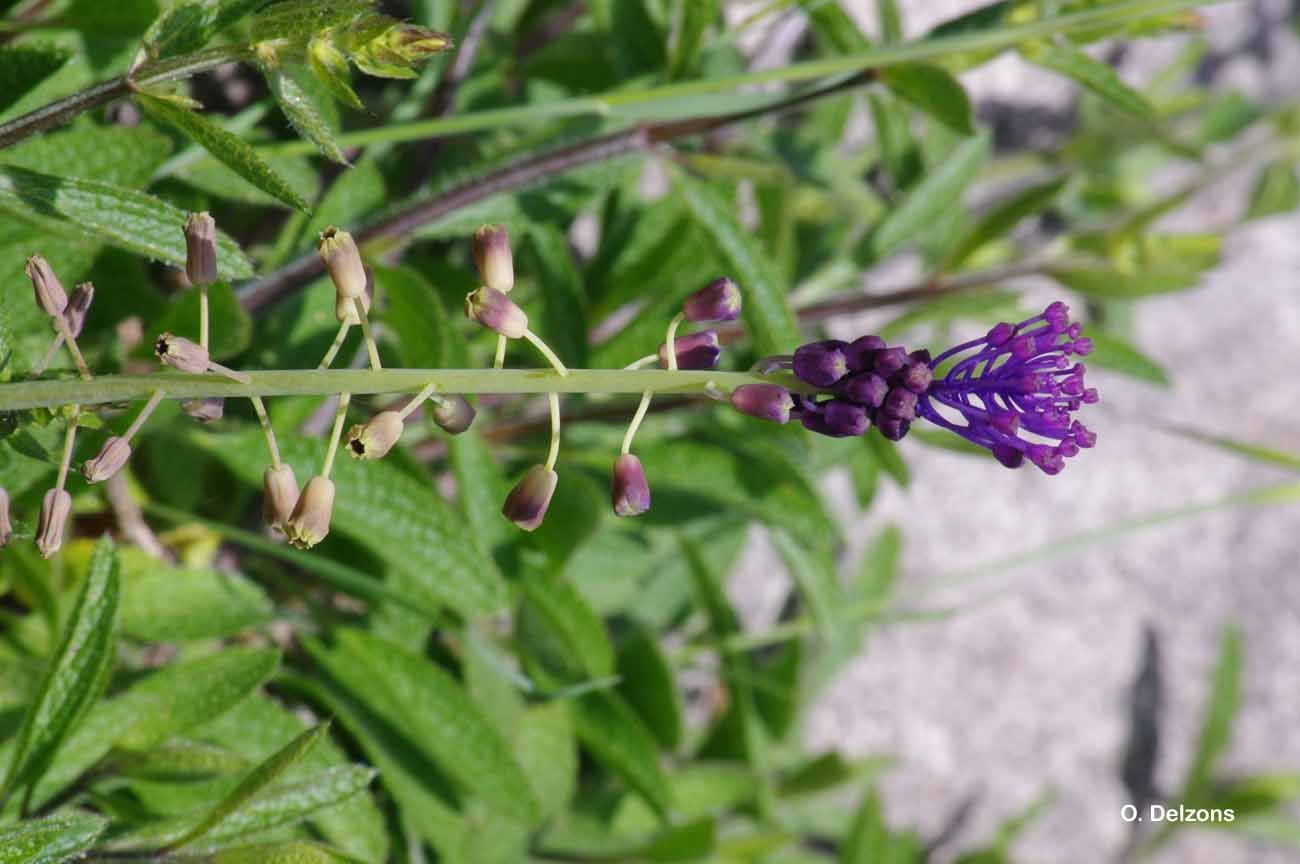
x=493, y=258
x=495, y=311
x=181, y=353
x=527, y=503
x=309, y=523
x=279, y=495
x=78, y=307
x=764, y=401
x=55, y=509
x=720, y=300
x=200, y=248
x=629, y=490
x=453, y=414
x=338, y=251
x=50, y=295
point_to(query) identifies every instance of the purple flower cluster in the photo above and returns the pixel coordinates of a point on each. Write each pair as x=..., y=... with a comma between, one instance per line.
x=1018, y=379
x=1013, y=391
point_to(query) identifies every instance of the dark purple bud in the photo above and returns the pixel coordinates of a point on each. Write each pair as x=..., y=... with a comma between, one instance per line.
x=845, y=419
x=900, y=404
x=718, y=301
x=865, y=388
x=765, y=401
x=495, y=311
x=78, y=305
x=50, y=295
x=893, y=428
x=1000, y=334
x=694, y=351
x=916, y=376
x=1008, y=455
x=629, y=491
x=861, y=351
x=205, y=410
x=821, y=364
x=527, y=502
x=889, y=360
x=453, y=414
x=200, y=249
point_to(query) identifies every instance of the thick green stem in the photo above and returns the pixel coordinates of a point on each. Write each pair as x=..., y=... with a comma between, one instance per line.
x=310, y=382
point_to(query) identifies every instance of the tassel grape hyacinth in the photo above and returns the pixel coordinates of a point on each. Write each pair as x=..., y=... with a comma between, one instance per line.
x=1013, y=392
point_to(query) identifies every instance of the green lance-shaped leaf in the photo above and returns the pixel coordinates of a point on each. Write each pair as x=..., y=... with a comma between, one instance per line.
x=131, y=220
x=562, y=640
x=227, y=147
x=1118, y=355
x=22, y=67
x=75, y=674
x=936, y=193
x=646, y=681
x=1221, y=711
x=1092, y=75
x=766, y=309
x=434, y=711
x=694, y=19
x=50, y=841
x=1276, y=190
x=303, y=114
x=935, y=91
x=257, y=780
x=868, y=839
x=615, y=736
x=1001, y=219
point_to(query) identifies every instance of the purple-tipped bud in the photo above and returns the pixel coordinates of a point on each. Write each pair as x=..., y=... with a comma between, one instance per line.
x=1008, y=456
x=629, y=491
x=845, y=419
x=888, y=361
x=279, y=496
x=821, y=364
x=527, y=502
x=1000, y=334
x=50, y=295
x=861, y=352
x=110, y=459
x=309, y=523
x=893, y=428
x=205, y=410
x=6, y=527
x=181, y=353
x=200, y=249
x=495, y=311
x=765, y=401
x=916, y=376
x=900, y=404
x=492, y=256
x=865, y=388
x=694, y=351
x=55, y=509
x=718, y=301
x=78, y=305
x=453, y=414
x=376, y=437
x=338, y=251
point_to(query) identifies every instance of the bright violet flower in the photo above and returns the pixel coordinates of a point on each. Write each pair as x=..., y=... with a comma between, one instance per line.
x=1014, y=391
x=694, y=351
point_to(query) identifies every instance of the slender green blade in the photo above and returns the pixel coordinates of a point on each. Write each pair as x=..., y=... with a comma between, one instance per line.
x=936, y=193
x=935, y=91
x=303, y=114
x=50, y=841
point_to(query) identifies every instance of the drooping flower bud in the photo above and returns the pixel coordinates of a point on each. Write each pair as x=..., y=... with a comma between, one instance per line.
x=694, y=351
x=310, y=521
x=279, y=495
x=493, y=258
x=201, y=248
x=110, y=459
x=765, y=401
x=629, y=491
x=342, y=259
x=453, y=414
x=205, y=410
x=374, y=438
x=6, y=527
x=495, y=311
x=183, y=354
x=527, y=502
x=720, y=300
x=50, y=295
x=78, y=305
x=55, y=509
x=821, y=364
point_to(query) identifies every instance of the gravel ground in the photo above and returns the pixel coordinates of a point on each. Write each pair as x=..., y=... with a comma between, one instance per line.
x=1026, y=688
